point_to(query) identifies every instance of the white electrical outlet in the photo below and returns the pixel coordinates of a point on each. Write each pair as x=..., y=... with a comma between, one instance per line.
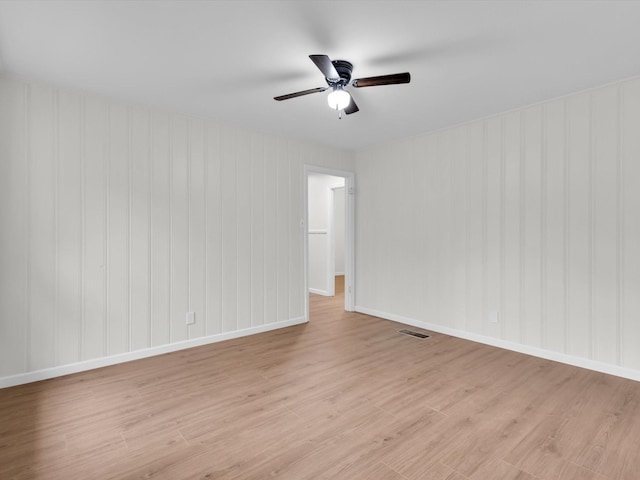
x=191, y=318
x=494, y=317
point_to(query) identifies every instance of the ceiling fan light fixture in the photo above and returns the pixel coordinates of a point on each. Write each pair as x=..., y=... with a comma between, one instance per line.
x=338, y=99
x=337, y=74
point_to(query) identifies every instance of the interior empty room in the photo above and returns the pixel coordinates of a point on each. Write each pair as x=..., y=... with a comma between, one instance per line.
x=391, y=240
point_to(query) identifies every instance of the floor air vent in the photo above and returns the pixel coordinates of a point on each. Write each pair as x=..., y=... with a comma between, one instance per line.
x=413, y=334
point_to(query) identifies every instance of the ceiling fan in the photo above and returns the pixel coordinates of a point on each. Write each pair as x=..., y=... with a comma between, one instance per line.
x=337, y=74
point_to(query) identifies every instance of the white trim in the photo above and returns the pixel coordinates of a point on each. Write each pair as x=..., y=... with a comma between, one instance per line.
x=594, y=365
x=331, y=264
x=334, y=172
x=338, y=274
x=349, y=243
x=324, y=293
x=53, y=372
x=331, y=271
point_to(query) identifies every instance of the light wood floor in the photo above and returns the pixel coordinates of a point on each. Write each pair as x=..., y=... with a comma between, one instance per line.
x=342, y=397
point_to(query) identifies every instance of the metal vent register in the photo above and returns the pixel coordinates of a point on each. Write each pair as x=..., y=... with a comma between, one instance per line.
x=413, y=334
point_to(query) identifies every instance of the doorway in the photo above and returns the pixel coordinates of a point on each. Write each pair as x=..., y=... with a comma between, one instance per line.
x=329, y=233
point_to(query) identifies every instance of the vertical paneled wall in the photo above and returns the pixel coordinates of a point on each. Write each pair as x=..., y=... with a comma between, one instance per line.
x=115, y=220
x=533, y=215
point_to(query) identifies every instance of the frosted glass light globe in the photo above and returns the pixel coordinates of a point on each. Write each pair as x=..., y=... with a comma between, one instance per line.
x=339, y=99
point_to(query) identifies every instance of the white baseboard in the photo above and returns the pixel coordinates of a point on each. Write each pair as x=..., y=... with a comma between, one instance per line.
x=339, y=274
x=53, y=372
x=610, y=369
x=319, y=292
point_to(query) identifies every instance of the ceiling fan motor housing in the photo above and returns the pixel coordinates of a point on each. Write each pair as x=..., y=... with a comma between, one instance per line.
x=344, y=69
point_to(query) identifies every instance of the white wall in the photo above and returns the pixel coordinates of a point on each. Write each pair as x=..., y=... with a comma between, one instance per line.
x=320, y=231
x=534, y=214
x=115, y=220
x=339, y=229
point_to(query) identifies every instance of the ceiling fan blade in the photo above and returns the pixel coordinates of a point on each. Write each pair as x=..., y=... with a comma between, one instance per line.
x=326, y=67
x=300, y=94
x=352, y=107
x=392, y=79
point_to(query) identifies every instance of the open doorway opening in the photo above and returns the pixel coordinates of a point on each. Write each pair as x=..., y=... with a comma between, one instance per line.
x=325, y=232
x=329, y=232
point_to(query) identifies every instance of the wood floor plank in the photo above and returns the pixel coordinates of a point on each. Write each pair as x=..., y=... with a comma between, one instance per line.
x=343, y=397
x=500, y=470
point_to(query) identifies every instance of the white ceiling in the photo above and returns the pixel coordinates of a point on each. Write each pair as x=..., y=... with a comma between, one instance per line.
x=226, y=60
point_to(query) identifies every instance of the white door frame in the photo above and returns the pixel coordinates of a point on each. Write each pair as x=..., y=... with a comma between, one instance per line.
x=331, y=271
x=349, y=230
